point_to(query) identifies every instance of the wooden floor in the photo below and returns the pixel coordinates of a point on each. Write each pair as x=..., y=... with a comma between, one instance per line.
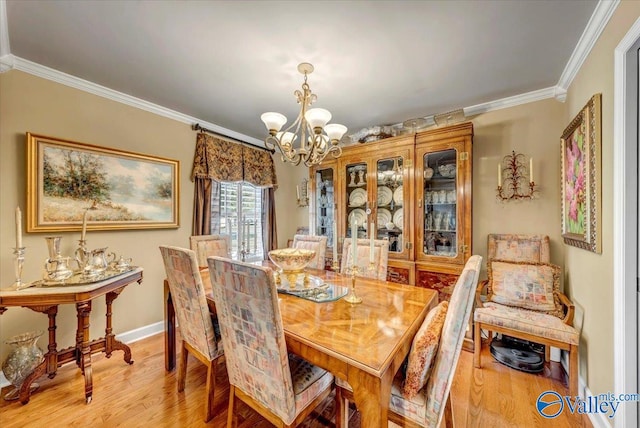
x=144, y=394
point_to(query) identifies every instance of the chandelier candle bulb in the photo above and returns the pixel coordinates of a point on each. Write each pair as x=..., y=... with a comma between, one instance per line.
x=531, y=170
x=499, y=175
x=18, y=228
x=298, y=192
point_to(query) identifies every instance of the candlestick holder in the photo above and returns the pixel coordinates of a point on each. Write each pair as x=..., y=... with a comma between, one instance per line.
x=515, y=180
x=82, y=254
x=18, y=263
x=335, y=265
x=352, y=297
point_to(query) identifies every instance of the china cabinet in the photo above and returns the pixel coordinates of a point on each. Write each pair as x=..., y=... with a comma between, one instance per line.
x=414, y=190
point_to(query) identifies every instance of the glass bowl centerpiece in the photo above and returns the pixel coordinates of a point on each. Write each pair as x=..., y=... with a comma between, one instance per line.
x=291, y=262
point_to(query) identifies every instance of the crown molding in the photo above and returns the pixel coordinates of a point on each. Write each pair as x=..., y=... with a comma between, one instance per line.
x=601, y=15
x=528, y=97
x=6, y=63
x=102, y=91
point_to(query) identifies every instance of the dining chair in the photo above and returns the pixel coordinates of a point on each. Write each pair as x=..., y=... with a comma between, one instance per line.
x=380, y=258
x=197, y=326
x=210, y=245
x=431, y=404
x=282, y=387
x=315, y=243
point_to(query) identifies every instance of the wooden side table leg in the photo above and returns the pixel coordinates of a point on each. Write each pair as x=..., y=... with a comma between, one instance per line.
x=52, y=354
x=111, y=344
x=84, y=311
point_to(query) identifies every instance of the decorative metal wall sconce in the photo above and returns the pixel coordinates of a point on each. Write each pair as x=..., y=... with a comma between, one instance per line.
x=302, y=193
x=514, y=185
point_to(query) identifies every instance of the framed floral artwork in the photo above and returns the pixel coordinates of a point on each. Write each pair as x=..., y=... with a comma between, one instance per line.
x=114, y=189
x=581, y=178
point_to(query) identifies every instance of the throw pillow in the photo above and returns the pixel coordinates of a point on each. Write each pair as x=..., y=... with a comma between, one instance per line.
x=527, y=285
x=423, y=350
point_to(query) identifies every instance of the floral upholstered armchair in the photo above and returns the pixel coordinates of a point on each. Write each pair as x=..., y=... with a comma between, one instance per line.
x=523, y=299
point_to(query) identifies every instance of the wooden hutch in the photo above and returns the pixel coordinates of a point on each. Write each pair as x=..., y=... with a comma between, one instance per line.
x=416, y=192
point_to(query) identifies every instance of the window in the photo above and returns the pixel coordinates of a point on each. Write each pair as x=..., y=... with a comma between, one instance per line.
x=241, y=218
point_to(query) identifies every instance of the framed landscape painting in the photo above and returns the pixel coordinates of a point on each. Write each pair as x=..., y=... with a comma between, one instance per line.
x=116, y=189
x=581, y=178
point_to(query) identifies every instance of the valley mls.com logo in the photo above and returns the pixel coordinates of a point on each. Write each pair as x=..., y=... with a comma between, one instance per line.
x=550, y=404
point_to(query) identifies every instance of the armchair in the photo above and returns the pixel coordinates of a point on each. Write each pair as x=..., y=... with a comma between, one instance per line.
x=523, y=299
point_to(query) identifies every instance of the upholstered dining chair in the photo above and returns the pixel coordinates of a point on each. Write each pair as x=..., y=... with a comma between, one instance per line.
x=523, y=299
x=282, y=387
x=210, y=245
x=435, y=351
x=197, y=327
x=315, y=243
x=380, y=258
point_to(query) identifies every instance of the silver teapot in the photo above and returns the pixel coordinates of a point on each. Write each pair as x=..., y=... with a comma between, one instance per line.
x=97, y=262
x=121, y=265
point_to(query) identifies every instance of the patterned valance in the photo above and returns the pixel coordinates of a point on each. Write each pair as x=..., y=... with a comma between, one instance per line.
x=222, y=160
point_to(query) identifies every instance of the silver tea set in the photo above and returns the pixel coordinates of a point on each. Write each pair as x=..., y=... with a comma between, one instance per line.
x=91, y=263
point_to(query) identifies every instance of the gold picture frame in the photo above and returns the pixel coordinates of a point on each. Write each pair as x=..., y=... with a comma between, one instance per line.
x=581, y=184
x=116, y=189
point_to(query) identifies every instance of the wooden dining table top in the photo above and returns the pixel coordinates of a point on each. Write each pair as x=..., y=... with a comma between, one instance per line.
x=366, y=335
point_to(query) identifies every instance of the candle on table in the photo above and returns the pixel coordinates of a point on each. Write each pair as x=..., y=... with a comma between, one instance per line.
x=371, y=232
x=499, y=175
x=354, y=241
x=531, y=170
x=335, y=242
x=84, y=225
x=18, y=228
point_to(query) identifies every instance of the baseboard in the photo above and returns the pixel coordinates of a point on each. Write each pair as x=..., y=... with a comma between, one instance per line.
x=126, y=337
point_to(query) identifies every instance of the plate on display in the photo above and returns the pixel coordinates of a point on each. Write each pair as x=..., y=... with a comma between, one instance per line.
x=357, y=198
x=360, y=217
x=397, y=195
x=384, y=196
x=398, y=219
x=384, y=217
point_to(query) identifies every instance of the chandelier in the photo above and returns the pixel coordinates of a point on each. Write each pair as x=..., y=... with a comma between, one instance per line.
x=309, y=139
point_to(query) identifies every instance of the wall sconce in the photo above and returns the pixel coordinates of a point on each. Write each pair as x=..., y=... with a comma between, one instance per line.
x=514, y=184
x=302, y=193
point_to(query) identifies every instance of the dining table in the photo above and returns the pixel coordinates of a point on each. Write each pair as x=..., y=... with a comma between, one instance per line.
x=363, y=344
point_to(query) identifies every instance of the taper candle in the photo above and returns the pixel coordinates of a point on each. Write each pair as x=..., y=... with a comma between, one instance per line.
x=531, y=170
x=371, y=232
x=18, y=228
x=499, y=175
x=84, y=225
x=335, y=242
x=354, y=241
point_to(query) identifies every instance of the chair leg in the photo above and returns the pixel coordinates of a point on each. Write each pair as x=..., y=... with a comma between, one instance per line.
x=231, y=419
x=573, y=371
x=477, y=344
x=210, y=390
x=342, y=409
x=547, y=353
x=182, y=370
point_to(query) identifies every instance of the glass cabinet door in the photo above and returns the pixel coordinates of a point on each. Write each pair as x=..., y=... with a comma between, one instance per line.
x=357, y=198
x=390, y=222
x=325, y=203
x=440, y=214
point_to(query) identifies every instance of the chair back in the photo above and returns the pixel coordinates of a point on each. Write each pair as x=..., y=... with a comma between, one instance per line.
x=252, y=334
x=453, y=332
x=380, y=258
x=518, y=248
x=210, y=245
x=315, y=243
x=189, y=299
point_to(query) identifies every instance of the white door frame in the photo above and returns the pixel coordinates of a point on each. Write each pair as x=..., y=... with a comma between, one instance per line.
x=625, y=227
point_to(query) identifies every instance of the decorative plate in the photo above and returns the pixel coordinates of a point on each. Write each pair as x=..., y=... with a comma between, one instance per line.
x=360, y=217
x=397, y=195
x=357, y=198
x=384, y=196
x=384, y=217
x=397, y=219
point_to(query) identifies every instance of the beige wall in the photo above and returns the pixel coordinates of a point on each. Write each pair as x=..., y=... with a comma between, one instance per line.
x=29, y=103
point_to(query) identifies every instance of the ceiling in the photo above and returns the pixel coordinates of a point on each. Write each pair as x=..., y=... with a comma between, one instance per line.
x=376, y=62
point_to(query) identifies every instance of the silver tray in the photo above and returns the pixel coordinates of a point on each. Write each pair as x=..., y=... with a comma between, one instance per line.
x=79, y=279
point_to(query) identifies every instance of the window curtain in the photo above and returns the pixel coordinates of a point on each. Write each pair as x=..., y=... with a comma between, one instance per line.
x=269, y=229
x=217, y=159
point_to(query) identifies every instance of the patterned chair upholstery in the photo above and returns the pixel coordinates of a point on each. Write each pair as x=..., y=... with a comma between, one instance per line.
x=197, y=328
x=432, y=404
x=315, y=243
x=380, y=257
x=528, y=272
x=210, y=245
x=282, y=387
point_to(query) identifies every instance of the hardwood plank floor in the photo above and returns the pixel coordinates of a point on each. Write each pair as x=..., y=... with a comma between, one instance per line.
x=144, y=394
